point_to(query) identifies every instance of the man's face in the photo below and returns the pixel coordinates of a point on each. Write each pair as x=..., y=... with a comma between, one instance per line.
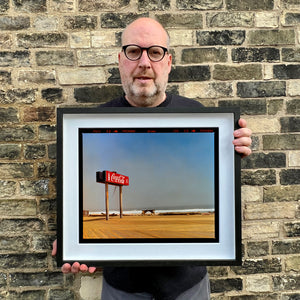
x=144, y=81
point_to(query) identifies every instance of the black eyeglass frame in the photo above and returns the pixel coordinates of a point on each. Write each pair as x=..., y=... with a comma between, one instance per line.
x=147, y=50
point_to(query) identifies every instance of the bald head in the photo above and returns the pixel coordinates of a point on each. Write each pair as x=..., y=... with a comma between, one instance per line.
x=144, y=27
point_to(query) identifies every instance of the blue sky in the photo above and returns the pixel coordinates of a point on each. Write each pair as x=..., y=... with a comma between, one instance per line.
x=166, y=170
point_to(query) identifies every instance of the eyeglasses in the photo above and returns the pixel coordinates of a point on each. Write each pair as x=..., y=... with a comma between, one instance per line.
x=134, y=52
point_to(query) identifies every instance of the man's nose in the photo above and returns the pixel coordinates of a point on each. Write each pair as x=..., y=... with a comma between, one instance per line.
x=144, y=60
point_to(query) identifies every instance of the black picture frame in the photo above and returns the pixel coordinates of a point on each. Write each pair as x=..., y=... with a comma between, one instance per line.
x=173, y=230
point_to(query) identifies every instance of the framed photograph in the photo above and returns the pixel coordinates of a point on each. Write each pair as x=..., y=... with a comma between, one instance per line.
x=148, y=186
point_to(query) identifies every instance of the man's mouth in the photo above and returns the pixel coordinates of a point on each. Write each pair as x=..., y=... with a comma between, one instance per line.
x=143, y=79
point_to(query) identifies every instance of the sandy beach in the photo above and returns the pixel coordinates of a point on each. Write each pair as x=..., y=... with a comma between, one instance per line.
x=149, y=226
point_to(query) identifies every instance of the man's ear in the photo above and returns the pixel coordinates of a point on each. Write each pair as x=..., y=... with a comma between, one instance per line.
x=170, y=62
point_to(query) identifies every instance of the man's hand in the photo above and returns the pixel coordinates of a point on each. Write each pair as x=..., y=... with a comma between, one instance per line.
x=242, y=139
x=75, y=267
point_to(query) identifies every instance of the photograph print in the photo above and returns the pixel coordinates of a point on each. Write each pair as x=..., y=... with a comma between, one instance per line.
x=148, y=185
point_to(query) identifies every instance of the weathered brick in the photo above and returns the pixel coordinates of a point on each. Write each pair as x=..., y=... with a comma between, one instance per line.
x=98, y=5
x=293, y=88
x=39, y=114
x=292, y=264
x=97, y=94
x=10, y=151
x=294, y=159
x=264, y=296
x=255, y=249
x=6, y=41
x=14, y=243
x=81, y=76
x=18, y=96
x=281, y=193
x=14, y=23
x=48, y=206
x=63, y=6
x=289, y=176
x=263, y=230
x=35, y=151
x=290, y=124
x=41, y=40
x=246, y=72
x=230, y=19
x=286, y=282
x=114, y=77
x=247, y=106
x=45, y=23
x=36, y=6
x=18, y=207
x=250, y=4
x=262, y=124
x=224, y=285
x=7, y=188
x=62, y=294
x=34, y=188
x=9, y=115
x=19, y=133
x=97, y=57
x=192, y=20
x=203, y=55
x=211, y=90
x=42, y=241
x=217, y=271
x=259, y=177
x=267, y=19
x=255, y=54
x=5, y=77
x=224, y=37
x=23, y=260
x=16, y=170
x=118, y=20
x=258, y=284
x=292, y=19
x=4, y=6
x=27, y=295
x=275, y=210
x=52, y=151
x=264, y=160
x=149, y=5
x=36, y=279
x=53, y=95
x=15, y=59
x=191, y=73
x=181, y=37
x=199, y=4
x=47, y=132
x=290, y=4
x=80, y=22
x=274, y=106
x=37, y=77
x=51, y=58
x=271, y=37
x=255, y=266
x=292, y=229
x=281, y=142
x=261, y=89
x=285, y=247
x=21, y=225
x=286, y=71
x=46, y=169
x=291, y=54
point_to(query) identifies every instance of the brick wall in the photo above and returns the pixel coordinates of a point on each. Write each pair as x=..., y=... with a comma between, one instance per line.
x=226, y=52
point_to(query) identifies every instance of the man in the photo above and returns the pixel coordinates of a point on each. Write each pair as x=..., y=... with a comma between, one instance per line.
x=144, y=65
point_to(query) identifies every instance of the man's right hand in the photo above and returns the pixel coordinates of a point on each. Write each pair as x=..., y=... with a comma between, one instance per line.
x=76, y=267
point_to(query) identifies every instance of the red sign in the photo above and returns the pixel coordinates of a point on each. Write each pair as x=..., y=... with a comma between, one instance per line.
x=112, y=178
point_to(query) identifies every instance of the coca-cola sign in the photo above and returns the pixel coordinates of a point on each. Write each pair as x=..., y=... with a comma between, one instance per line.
x=112, y=178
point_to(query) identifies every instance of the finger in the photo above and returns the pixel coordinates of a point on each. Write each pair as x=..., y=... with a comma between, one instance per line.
x=75, y=267
x=242, y=132
x=66, y=268
x=244, y=151
x=83, y=268
x=242, y=123
x=242, y=141
x=92, y=269
x=54, y=248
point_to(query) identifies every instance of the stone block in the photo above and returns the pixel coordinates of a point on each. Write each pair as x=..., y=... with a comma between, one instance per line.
x=100, y=5
x=10, y=151
x=26, y=96
x=46, y=170
x=264, y=160
x=262, y=230
x=182, y=37
x=203, y=55
x=119, y=20
x=290, y=124
x=62, y=294
x=15, y=59
x=261, y=89
x=21, y=225
x=294, y=159
x=190, y=73
x=149, y=5
x=263, y=124
x=225, y=285
x=14, y=243
x=97, y=57
x=286, y=282
x=289, y=176
x=271, y=37
x=35, y=151
x=274, y=106
x=292, y=229
x=7, y=188
x=18, y=207
x=81, y=76
x=281, y=142
x=37, y=77
x=267, y=19
x=47, y=132
x=97, y=94
x=286, y=71
x=101, y=39
x=224, y=37
x=281, y=193
x=255, y=54
x=250, y=4
x=257, y=249
x=245, y=72
x=258, y=284
x=293, y=88
x=4, y=6
x=53, y=95
x=80, y=22
x=292, y=19
x=51, y=58
x=247, y=106
x=34, y=188
x=42, y=23
x=80, y=39
x=251, y=194
x=230, y=19
x=293, y=106
x=90, y=286
x=9, y=115
x=5, y=78
x=14, y=23
x=184, y=20
x=18, y=133
x=39, y=114
x=6, y=41
x=290, y=54
x=42, y=40
x=259, y=177
x=16, y=170
x=63, y=6
x=29, y=6
x=286, y=247
x=23, y=260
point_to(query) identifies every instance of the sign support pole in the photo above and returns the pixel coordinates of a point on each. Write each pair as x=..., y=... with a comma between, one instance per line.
x=106, y=201
x=121, y=201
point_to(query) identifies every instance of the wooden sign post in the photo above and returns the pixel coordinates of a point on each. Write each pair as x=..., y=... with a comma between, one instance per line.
x=113, y=178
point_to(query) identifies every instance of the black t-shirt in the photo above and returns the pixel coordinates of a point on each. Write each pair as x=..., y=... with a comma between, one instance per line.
x=165, y=283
